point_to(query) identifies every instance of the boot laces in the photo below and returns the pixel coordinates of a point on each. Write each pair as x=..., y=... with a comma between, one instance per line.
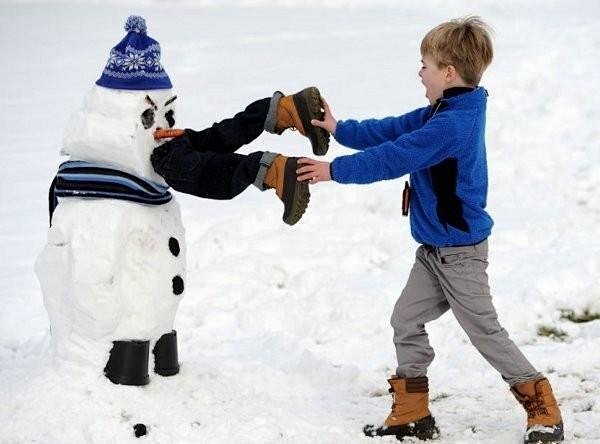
x=292, y=127
x=535, y=405
x=534, y=409
x=290, y=116
x=394, y=399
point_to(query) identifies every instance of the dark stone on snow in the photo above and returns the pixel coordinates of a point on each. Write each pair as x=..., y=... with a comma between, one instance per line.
x=139, y=430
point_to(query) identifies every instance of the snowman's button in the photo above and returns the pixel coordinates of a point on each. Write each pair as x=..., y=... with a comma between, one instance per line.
x=174, y=246
x=177, y=285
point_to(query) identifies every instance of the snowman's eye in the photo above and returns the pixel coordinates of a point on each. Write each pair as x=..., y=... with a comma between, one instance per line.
x=148, y=118
x=170, y=116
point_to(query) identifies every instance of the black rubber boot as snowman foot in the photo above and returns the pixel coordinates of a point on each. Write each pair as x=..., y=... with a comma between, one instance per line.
x=128, y=363
x=166, y=361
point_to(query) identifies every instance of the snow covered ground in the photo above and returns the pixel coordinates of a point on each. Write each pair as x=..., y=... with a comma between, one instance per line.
x=284, y=333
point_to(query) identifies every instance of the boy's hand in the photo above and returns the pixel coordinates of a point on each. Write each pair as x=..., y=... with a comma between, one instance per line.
x=313, y=170
x=328, y=123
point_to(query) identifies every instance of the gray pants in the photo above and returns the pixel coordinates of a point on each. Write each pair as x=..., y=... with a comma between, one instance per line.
x=453, y=278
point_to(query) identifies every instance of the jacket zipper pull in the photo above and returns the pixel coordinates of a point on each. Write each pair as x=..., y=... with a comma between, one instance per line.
x=405, y=199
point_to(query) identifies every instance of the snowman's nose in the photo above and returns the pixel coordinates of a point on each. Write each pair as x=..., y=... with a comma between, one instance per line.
x=168, y=133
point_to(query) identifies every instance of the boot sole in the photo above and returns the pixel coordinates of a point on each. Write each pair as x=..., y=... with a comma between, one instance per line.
x=557, y=435
x=308, y=104
x=422, y=429
x=296, y=195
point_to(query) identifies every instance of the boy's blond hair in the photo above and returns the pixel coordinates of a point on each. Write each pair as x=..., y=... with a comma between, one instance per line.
x=464, y=43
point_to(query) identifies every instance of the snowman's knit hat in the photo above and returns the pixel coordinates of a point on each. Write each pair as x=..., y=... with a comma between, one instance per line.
x=135, y=62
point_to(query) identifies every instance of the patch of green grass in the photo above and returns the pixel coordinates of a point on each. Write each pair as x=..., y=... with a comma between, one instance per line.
x=586, y=316
x=552, y=332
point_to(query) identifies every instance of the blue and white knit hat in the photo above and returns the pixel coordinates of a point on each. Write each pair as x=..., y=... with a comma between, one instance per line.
x=135, y=62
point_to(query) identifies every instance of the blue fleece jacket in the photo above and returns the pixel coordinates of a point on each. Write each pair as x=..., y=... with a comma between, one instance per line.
x=442, y=147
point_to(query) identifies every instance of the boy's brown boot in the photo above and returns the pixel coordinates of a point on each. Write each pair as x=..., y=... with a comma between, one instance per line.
x=295, y=195
x=297, y=111
x=544, y=422
x=410, y=414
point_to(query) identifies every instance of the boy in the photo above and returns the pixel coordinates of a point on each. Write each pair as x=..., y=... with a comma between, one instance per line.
x=203, y=163
x=442, y=147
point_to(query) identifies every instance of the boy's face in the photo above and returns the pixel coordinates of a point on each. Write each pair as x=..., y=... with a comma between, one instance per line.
x=435, y=79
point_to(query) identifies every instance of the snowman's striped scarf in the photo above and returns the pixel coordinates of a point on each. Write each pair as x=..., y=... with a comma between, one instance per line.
x=95, y=180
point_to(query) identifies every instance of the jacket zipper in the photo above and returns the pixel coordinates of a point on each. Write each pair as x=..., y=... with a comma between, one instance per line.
x=407, y=190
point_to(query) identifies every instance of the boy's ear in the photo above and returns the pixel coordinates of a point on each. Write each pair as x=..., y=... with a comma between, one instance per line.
x=451, y=73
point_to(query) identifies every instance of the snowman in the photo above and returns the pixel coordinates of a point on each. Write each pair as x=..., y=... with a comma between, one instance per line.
x=112, y=272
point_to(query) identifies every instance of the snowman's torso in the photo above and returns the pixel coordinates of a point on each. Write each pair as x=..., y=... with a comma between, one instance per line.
x=112, y=270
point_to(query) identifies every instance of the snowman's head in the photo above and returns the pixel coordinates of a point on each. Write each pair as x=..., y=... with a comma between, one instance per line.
x=132, y=99
x=115, y=127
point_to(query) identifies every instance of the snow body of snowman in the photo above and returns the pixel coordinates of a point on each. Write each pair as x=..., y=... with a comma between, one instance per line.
x=112, y=272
